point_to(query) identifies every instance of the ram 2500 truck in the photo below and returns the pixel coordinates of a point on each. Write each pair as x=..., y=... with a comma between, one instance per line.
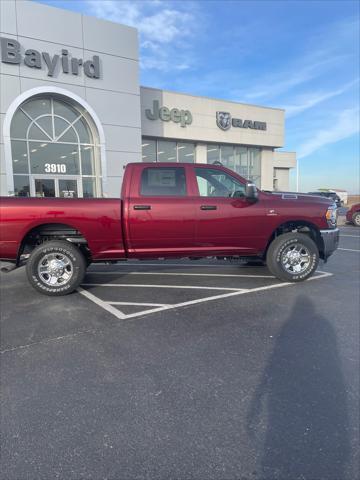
x=167, y=210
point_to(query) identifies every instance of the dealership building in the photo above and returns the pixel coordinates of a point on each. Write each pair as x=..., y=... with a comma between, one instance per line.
x=72, y=112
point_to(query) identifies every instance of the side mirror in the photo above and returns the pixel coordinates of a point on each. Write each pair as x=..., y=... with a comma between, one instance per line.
x=251, y=192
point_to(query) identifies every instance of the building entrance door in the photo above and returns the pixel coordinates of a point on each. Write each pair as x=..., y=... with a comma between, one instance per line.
x=69, y=187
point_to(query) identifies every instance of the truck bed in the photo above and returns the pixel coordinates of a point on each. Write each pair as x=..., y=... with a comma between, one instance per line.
x=96, y=219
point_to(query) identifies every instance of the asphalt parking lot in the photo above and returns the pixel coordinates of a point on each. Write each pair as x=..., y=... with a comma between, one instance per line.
x=184, y=370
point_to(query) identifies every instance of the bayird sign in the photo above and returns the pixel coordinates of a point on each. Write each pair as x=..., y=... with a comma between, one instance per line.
x=11, y=53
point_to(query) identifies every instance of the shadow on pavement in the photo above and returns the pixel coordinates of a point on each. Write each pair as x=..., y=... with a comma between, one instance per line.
x=302, y=400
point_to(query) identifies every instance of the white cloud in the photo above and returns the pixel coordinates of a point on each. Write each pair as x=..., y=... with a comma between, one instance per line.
x=162, y=26
x=306, y=101
x=322, y=53
x=345, y=125
x=304, y=70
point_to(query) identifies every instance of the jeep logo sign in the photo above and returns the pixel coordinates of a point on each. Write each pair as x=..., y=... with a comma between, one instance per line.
x=10, y=53
x=183, y=117
x=224, y=121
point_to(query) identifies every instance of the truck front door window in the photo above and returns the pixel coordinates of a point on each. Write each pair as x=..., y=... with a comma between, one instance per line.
x=215, y=183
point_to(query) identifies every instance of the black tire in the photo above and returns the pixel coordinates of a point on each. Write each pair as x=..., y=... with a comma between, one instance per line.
x=277, y=257
x=356, y=219
x=65, y=263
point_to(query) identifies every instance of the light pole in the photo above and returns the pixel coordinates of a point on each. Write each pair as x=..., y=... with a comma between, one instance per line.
x=297, y=176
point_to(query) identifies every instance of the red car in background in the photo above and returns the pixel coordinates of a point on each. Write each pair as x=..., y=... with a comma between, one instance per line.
x=353, y=214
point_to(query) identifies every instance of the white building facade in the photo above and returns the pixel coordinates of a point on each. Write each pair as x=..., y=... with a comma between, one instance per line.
x=72, y=113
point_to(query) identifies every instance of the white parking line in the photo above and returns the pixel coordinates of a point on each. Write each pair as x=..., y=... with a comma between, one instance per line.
x=354, y=236
x=162, y=307
x=185, y=274
x=140, y=304
x=102, y=304
x=348, y=249
x=160, y=286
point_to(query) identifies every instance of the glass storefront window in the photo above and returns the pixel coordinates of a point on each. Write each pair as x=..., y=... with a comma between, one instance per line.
x=21, y=186
x=54, y=158
x=82, y=130
x=54, y=140
x=148, y=150
x=19, y=156
x=46, y=124
x=68, y=188
x=88, y=185
x=213, y=153
x=255, y=165
x=227, y=156
x=45, y=187
x=19, y=125
x=37, y=106
x=246, y=161
x=65, y=111
x=241, y=161
x=36, y=133
x=87, y=153
x=166, y=151
x=186, y=152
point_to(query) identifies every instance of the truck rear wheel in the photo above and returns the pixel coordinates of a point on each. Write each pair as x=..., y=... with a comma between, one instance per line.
x=292, y=257
x=56, y=268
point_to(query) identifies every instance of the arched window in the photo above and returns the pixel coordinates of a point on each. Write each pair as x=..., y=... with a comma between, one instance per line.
x=55, y=149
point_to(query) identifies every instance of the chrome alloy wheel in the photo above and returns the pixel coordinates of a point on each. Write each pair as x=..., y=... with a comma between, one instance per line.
x=357, y=219
x=296, y=258
x=55, y=269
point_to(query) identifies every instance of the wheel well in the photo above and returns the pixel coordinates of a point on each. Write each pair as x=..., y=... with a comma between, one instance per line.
x=53, y=231
x=301, y=227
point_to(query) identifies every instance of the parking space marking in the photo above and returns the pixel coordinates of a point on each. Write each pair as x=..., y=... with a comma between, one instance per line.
x=349, y=249
x=159, y=286
x=105, y=305
x=140, y=304
x=354, y=236
x=185, y=274
x=162, y=307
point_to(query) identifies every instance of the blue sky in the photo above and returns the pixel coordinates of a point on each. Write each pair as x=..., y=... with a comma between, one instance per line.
x=299, y=55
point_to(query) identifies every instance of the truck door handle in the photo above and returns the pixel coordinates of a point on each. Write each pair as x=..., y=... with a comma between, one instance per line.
x=142, y=207
x=208, y=207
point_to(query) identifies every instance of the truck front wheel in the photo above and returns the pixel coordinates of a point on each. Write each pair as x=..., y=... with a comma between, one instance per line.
x=56, y=268
x=356, y=219
x=292, y=257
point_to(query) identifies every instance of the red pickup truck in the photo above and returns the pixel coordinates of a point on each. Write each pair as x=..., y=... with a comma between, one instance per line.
x=167, y=210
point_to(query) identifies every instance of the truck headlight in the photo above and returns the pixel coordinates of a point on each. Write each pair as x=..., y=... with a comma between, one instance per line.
x=331, y=215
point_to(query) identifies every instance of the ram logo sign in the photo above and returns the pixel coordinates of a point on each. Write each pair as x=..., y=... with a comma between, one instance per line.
x=224, y=121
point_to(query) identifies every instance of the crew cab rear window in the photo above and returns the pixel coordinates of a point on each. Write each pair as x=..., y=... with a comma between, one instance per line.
x=167, y=181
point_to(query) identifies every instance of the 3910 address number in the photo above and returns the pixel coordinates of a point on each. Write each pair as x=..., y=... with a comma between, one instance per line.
x=55, y=168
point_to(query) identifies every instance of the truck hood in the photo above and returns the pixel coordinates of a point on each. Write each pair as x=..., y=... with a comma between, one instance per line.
x=303, y=197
